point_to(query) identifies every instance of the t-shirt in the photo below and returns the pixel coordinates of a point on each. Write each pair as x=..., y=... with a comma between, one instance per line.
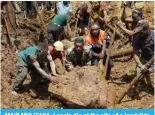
x=63, y=9
x=95, y=44
x=145, y=45
x=60, y=19
x=75, y=60
x=51, y=48
x=30, y=51
x=90, y=40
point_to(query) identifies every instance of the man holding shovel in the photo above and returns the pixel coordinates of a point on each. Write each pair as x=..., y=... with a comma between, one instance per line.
x=143, y=44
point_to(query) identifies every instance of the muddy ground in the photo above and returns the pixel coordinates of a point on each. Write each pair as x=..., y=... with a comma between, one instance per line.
x=123, y=68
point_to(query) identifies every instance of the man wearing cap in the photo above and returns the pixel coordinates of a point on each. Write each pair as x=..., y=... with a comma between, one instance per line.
x=143, y=48
x=56, y=51
x=63, y=7
x=56, y=27
x=77, y=55
x=95, y=40
x=29, y=62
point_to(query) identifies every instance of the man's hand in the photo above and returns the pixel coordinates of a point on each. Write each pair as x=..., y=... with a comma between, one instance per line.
x=119, y=23
x=53, y=80
x=54, y=74
x=144, y=69
x=3, y=11
x=79, y=17
x=101, y=55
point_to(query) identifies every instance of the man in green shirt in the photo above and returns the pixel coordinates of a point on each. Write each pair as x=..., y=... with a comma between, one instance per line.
x=56, y=27
x=29, y=60
x=78, y=55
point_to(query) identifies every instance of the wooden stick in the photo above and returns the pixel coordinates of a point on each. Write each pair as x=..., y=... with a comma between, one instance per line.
x=7, y=29
x=136, y=79
x=76, y=27
x=109, y=53
x=101, y=60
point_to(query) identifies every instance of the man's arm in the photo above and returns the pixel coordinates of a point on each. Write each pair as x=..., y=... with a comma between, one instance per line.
x=129, y=32
x=69, y=29
x=129, y=20
x=52, y=64
x=105, y=16
x=68, y=61
x=136, y=58
x=37, y=66
x=70, y=7
x=142, y=67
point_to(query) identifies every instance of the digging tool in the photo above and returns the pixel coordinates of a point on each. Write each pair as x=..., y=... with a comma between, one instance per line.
x=123, y=16
x=136, y=79
x=7, y=29
x=89, y=21
x=101, y=60
x=76, y=27
x=109, y=53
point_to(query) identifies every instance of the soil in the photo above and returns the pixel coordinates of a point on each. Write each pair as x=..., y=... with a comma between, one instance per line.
x=123, y=68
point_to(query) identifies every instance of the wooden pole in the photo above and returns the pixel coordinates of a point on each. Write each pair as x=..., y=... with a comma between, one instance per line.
x=109, y=53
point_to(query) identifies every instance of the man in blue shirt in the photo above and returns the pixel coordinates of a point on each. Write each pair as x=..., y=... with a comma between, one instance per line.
x=63, y=7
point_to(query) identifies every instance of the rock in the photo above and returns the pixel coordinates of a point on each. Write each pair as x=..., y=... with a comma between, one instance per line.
x=59, y=67
x=81, y=88
x=67, y=43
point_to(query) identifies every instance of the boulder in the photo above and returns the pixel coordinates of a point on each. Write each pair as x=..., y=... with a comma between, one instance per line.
x=81, y=88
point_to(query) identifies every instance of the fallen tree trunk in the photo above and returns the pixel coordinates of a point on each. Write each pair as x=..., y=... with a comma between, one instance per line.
x=81, y=88
x=121, y=53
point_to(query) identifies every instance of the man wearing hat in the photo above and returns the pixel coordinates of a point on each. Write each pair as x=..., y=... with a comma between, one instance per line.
x=29, y=61
x=77, y=55
x=56, y=51
x=143, y=48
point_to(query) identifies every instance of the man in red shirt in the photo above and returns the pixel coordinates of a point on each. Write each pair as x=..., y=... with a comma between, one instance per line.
x=56, y=51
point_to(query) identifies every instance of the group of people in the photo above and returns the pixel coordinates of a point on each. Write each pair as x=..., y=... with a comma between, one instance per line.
x=86, y=51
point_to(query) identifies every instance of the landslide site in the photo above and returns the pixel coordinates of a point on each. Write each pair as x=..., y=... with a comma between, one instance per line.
x=29, y=32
